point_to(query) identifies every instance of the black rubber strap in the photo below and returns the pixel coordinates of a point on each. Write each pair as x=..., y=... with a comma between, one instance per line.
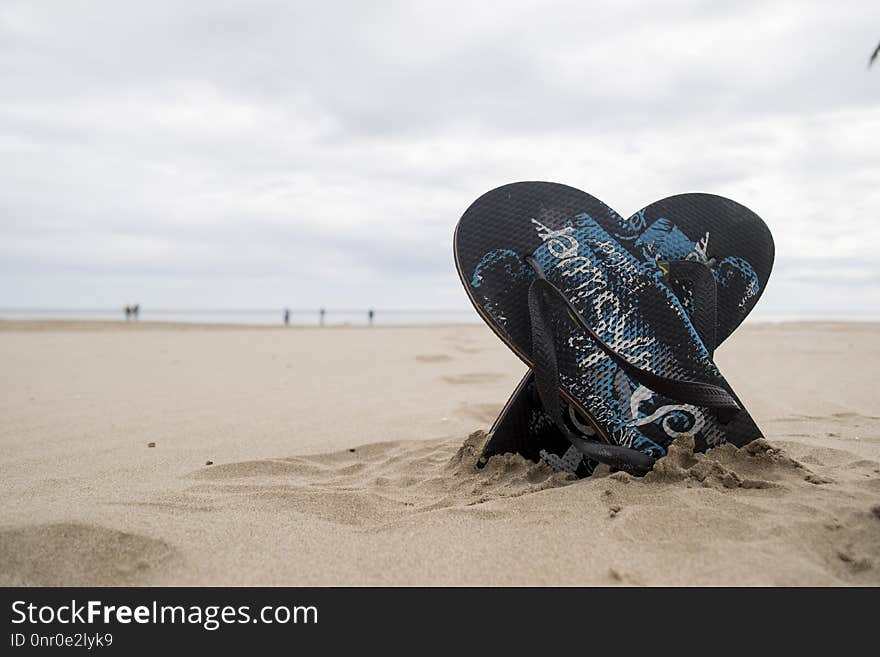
x=696, y=393
x=546, y=370
x=704, y=296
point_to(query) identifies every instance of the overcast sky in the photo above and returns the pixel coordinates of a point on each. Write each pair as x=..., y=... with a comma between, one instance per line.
x=259, y=154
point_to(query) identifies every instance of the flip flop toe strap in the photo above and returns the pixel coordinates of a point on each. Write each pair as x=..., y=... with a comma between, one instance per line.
x=542, y=295
x=704, y=296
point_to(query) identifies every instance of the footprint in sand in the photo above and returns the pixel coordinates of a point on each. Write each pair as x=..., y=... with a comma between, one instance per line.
x=463, y=346
x=433, y=358
x=74, y=554
x=473, y=377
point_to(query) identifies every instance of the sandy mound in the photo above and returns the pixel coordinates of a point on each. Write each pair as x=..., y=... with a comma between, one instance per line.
x=70, y=554
x=745, y=507
x=376, y=484
x=757, y=465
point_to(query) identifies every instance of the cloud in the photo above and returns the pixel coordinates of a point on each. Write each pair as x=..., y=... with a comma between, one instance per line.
x=270, y=151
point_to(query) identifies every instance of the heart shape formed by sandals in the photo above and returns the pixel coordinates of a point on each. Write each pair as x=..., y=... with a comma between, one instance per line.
x=618, y=318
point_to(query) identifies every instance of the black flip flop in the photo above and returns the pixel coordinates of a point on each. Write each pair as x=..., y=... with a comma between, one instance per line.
x=601, y=328
x=681, y=232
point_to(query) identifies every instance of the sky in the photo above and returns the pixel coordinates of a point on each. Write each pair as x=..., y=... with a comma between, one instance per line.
x=255, y=154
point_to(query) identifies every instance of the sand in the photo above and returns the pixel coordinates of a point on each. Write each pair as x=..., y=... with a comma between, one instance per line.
x=346, y=456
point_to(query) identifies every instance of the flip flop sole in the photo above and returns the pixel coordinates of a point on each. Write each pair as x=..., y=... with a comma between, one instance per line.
x=621, y=296
x=701, y=227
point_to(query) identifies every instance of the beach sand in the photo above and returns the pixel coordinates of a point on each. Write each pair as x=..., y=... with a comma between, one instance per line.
x=346, y=456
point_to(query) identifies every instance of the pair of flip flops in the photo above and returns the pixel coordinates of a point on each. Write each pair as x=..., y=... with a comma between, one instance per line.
x=617, y=319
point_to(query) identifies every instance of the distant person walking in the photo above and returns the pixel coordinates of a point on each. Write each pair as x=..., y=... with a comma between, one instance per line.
x=370, y=315
x=136, y=311
x=127, y=313
x=287, y=316
x=321, y=314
